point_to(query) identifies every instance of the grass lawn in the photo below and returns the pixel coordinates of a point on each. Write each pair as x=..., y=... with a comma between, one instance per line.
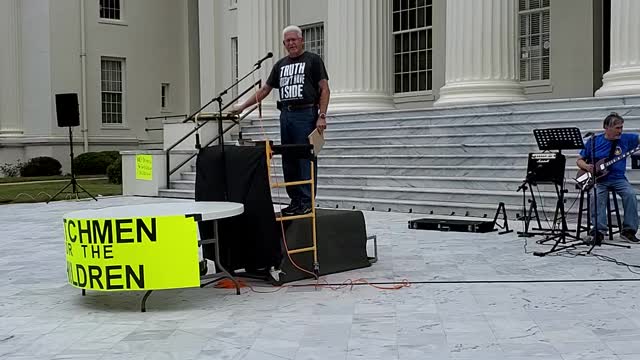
x=4, y=180
x=40, y=191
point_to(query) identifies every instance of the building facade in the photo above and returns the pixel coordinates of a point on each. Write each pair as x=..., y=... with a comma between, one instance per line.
x=396, y=54
x=125, y=59
x=128, y=60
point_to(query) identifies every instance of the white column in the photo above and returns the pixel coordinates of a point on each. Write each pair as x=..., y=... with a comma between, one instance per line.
x=623, y=77
x=260, y=25
x=10, y=81
x=481, y=53
x=359, y=53
x=206, y=24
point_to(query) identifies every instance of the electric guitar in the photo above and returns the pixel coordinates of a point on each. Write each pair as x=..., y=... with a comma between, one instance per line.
x=584, y=178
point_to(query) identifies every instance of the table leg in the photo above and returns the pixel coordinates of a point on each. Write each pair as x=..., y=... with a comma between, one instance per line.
x=143, y=305
x=218, y=263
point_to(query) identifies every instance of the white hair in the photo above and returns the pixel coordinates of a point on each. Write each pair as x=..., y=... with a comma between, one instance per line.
x=292, y=28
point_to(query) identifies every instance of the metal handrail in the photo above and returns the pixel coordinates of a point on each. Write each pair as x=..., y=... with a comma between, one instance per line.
x=258, y=83
x=194, y=117
x=164, y=117
x=184, y=162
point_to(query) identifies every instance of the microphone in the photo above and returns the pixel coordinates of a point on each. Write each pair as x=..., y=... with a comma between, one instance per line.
x=269, y=55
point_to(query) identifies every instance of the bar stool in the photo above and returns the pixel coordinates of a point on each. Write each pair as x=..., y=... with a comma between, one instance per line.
x=618, y=225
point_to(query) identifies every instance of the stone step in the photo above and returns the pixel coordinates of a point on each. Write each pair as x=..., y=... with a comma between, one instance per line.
x=547, y=118
x=543, y=109
x=448, y=171
x=428, y=160
x=514, y=172
x=545, y=199
x=177, y=193
x=421, y=127
x=414, y=206
x=412, y=139
x=411, y=206
x=431, y=149
x=438, y=204
x=476, y=183
x=150, y=144
x=422, y=160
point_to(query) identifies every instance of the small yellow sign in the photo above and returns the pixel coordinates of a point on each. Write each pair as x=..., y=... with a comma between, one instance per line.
x=145, y=253
x=144, y=167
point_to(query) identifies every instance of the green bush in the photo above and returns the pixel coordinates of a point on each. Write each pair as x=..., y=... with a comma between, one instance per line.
x=41, y=166
x=94, y=163
x=114, y=171
x=12, y=170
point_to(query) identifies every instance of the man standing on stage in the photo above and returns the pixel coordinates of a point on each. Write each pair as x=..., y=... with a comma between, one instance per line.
x=303, y=86
x=609, y=145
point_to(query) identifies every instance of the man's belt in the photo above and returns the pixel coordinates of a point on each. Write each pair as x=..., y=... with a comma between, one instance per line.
x=295, y=107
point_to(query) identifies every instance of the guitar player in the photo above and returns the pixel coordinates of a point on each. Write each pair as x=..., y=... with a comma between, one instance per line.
x=608, y=145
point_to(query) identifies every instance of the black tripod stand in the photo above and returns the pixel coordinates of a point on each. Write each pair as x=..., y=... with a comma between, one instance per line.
x=73, y=183
x=527, y=216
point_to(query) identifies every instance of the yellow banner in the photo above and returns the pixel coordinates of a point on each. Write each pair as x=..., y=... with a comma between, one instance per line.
x=144, y=253
x=144, y=167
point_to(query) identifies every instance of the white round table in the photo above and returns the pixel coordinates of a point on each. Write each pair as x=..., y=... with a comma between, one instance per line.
x=199, y=211
x=206, y=210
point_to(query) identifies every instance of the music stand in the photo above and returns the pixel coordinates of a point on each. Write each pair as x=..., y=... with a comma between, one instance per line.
x=559, y=139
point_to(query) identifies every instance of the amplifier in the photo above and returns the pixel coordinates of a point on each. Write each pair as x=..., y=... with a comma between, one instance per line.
x=546, y=168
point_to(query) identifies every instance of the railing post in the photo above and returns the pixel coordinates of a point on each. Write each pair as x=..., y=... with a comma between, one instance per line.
x=168, y=170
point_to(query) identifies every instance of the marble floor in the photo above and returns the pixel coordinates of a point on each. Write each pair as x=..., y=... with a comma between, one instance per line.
x=473, y=296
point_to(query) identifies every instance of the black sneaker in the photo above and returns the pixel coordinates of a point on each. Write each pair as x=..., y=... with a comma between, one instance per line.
x=629, y=235
x=303, y=210
x=590, y=240
x=289, y=210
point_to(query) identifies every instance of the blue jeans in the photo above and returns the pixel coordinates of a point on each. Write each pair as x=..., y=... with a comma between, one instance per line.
x=295, y=127
x=629, y=203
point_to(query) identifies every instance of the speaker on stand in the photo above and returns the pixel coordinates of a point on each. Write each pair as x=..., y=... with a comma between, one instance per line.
x=68, y=115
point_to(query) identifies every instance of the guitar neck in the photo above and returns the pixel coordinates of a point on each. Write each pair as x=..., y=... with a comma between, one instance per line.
x=620, y=157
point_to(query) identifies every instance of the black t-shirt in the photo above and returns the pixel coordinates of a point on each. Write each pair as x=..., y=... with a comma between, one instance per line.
x=297, y=78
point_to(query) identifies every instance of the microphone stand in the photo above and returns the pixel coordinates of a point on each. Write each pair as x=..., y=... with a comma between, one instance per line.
x=595, y=193
x=218, y=99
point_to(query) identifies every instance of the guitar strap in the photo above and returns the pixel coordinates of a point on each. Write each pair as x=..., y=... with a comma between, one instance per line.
x=613, y=149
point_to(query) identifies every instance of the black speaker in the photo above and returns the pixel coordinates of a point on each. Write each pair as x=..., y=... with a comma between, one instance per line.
x=67, y=110
x=546, y=168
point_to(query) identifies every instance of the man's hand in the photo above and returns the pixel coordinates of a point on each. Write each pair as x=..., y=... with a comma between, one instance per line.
x=588, y=168
x=236, y=109
x=321, y=124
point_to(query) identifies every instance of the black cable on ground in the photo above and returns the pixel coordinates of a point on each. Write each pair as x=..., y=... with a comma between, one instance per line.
x=446, y=282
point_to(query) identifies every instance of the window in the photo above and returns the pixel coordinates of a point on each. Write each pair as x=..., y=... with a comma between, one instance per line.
x=112, y=90
x=412, y=37
x=164, y=96
x=535, y=45
x=314, y=38
x=234, y=65
x=110, y=9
